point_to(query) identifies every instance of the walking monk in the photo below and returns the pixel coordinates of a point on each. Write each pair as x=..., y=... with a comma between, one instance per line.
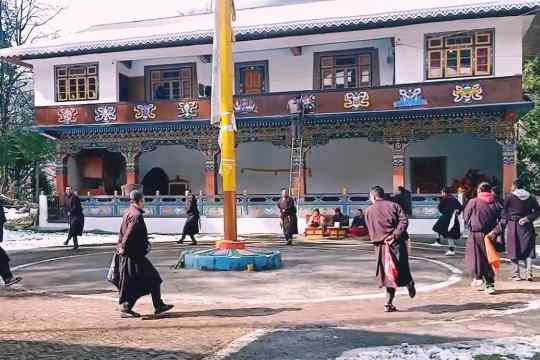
x=387, y=225
x=520, y=210
x=481, y=216
x=138, y=277
x=191, y=226
x=74, y=212
x=289, y=220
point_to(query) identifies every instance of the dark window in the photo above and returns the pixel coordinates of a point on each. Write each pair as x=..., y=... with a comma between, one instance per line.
x=171, y=82
x=251, y=78
x=76, y=82
x=346, y=69
x=459, y=55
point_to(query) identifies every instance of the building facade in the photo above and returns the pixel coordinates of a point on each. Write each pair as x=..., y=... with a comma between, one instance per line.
x=347, y=96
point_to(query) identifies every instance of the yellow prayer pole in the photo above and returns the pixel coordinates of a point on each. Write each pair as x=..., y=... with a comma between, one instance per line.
x=228, y=152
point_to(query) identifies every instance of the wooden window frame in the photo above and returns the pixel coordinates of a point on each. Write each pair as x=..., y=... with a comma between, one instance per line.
x=474, y=34
x=373, y=52
x=67, y=77
x=148, y=81
x=239, y=65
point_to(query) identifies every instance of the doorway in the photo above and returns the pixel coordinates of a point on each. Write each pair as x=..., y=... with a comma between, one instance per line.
x=428, y=174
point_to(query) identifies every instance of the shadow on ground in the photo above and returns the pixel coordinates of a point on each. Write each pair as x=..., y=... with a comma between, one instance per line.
x=324, y=344
x=225, y=313
x=16, y=350
x=450, y=309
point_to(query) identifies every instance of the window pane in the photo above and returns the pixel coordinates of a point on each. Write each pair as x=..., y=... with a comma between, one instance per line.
x=451, y=63
x=345, y=60
x=186, y=89
x=328, y=79
x=340, y=78
x=459, y=40
x=170, y=74
x=175, y=89
x=365, y=59
x=365, y=77
x=465, y=64
x=327, y=61
x=351, y=78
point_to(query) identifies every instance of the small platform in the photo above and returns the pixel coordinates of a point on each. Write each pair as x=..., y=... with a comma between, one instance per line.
x=231, y=259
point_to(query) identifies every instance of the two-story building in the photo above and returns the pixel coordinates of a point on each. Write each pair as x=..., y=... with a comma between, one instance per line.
x=393, y=95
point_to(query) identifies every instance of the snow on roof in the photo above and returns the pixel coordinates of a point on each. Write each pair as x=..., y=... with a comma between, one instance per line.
x=267, y=22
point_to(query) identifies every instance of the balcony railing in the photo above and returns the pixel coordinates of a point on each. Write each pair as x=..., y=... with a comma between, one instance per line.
x=385, y=98
x=248, y=206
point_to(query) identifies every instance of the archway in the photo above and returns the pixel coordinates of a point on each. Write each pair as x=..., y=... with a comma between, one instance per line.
x=156, y=180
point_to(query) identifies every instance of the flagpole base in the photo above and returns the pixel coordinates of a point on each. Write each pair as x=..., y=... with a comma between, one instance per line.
x=228, y=245
x=230, y=260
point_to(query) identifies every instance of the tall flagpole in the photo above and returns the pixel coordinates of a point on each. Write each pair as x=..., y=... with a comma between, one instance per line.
x=228, y=152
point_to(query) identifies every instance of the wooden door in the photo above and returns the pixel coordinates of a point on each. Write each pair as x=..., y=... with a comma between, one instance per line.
x=253, y=81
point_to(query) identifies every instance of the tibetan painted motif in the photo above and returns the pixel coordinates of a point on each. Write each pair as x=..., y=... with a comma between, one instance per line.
x=68, y=115
x=467, y=93
x=309, y=103
x=410, y=98
x=245, y=106
x=188, y=109
x=105, y=113
x=356, y=100
x=145, y=111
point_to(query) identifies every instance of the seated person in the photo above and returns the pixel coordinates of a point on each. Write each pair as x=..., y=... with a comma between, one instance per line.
x=339, y=218
x=358, y=226
x=316, y=220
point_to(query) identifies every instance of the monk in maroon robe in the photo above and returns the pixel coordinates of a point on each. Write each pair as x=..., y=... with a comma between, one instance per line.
x=287, y=215
x=481, y=216
x=387, y=226
x=520, y=210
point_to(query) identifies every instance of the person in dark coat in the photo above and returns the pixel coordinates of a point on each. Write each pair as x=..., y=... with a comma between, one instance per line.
x=5, y=270
x=520, y=210
x=450, y=208
x=137, y=276
x=191, y=226
x=358, y=226
x=481, y=216
x=288, y=217
x=387, y=225
x=403, y=197
x=74, y=212
x=338, y=217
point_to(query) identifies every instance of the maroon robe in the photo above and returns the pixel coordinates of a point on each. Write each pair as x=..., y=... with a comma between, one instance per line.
x=481, y=216
x=385, y=218
x=287, y=213
x=520, y=239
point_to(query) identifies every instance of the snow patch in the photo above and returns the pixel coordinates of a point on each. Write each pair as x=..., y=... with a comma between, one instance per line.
x=512, y=348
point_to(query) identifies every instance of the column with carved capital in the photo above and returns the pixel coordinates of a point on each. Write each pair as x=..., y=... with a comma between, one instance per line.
x=211, y=175
x=398, y=163
x=131, y=155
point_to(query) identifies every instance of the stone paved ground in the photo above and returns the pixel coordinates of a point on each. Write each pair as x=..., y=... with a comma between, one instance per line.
x=40, y=325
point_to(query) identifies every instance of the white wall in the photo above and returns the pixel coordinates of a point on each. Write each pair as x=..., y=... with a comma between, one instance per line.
x=288, y=72
x=175, y=160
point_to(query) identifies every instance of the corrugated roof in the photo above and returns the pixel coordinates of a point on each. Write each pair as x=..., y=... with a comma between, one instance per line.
x=260, y=23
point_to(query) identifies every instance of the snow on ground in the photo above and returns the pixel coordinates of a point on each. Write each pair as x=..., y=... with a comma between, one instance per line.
x=509, y=348
x=14, y=214
x=25, y=240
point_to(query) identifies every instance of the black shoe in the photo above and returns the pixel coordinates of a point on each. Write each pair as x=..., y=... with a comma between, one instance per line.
x=12, y=281
x=66, y=242
x=390, y=308
x=129, y=314
x=412, y=290
x=181, y=241
x=75, y=247
x=163, y=308
x=194, y=242
x=289, y=242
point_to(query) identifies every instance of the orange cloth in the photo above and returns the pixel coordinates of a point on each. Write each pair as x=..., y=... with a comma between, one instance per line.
x=316, y=220
x=492, y=255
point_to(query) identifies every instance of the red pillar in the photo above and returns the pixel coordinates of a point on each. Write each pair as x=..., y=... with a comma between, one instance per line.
x=131, y=155
x=398, y=164
x=509, y=166
x=61, y=175
x=211, y=178
x=298, y=186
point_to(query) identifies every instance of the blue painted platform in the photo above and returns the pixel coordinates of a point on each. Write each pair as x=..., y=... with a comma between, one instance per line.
x=231, y=260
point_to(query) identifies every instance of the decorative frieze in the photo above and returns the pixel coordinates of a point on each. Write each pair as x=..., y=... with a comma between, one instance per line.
x=468, y=93
x=356, y=100
x=144, y=111
x=105, y=113
x=188, y=109
x=309, y=103
x=68, y=115
x=245, y=106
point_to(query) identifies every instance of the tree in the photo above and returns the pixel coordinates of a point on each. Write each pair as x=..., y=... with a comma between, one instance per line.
x=21, y=152
x=529, y=128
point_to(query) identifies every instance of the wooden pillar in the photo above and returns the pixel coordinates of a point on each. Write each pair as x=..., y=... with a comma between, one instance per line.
x=299, y=186
x=211, y=176
x=398, y=163
x=61, y=174
x=509, y=155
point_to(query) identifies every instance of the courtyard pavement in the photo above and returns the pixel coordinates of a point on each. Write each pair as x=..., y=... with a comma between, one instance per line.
x=324, y=304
